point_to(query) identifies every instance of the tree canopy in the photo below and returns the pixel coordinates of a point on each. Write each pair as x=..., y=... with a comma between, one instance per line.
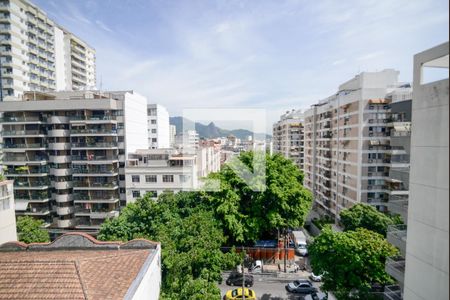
x=29, y=230
x=190, y=240
x=366, y=216
x=247, y=214
x=352, y=260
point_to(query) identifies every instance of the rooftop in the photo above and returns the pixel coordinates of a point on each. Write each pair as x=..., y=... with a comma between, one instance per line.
x=74, y=266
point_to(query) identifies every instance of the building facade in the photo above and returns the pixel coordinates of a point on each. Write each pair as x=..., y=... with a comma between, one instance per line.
x=287, y=137
x=157, y=170
x=208, y=158
x=427, y=244
x=172, y=134
x=158, y=127
x=66, y=152
x=7, y=216
x=188, y=141
x=37, y=55
x=347, y=143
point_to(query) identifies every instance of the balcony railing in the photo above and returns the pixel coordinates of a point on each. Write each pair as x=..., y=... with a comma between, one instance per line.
x=395, y=266
x=94, y=157
x=92, y=118
x=24, y=146
x=94, y=145
x=95, y=184
x=22, y=132
x=392, y=292
x=94, y=131
x=94, y=171
x=396, y=235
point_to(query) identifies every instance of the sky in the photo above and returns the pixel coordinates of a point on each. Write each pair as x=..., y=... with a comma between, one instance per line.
x=274, y=55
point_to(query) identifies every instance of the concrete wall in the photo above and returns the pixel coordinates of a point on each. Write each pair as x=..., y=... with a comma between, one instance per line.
x=135, y=115
x=427, y=250
x=7, y=213
x=150, y=279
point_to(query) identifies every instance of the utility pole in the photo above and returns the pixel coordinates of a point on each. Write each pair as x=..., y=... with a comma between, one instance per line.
x=243, y=273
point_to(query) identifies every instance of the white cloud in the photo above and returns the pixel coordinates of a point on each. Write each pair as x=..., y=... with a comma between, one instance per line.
x=103, y=26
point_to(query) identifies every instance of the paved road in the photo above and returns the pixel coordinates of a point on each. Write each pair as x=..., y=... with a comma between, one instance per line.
x=268, y=288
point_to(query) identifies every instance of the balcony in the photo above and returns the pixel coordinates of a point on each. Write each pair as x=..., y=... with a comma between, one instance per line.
x=58, y=133
x=84, y=198
x=67, y=223
x=59, y=146
x=60, y=159
x=37, y=211
x=35, y=197
x=399, y=205
x=31, y=185
x=61, y=211
x=23, y=133
x=62, y=197
x=94, y=159
x=87, y=132
x=58, y=120
x=97, y=214
x=395, y=266
x=396, y=235
x=62, y=185
x=21, y=147
x=82, y=185
x=93, y=119
x=392, y=292
x=60, y=172
x=99, y=145
x=95, y=172
x=26, y=172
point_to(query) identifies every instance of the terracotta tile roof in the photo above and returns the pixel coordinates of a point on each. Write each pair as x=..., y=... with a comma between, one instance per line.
x=42, y=271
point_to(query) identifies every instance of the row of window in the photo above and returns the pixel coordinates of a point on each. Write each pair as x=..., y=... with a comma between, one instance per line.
x=154, y=178
x=137, y=194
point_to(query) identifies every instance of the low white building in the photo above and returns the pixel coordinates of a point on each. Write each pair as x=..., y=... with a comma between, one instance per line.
x=208, y=158
x=157, y=170
x=7, y=213
x=158, y=127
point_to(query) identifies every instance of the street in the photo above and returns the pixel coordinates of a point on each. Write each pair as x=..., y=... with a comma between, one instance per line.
x=268, y=287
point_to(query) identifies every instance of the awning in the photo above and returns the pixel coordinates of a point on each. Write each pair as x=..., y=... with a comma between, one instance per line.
x=378, y=101
x=21, y=205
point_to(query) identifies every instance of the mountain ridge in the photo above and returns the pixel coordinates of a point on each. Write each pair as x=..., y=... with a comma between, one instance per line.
x=212, y=131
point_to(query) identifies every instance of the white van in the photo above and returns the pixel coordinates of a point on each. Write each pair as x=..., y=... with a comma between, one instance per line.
x=300, y=242
x=257, y=267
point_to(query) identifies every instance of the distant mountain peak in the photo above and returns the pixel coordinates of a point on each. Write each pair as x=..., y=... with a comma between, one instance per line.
x=212, y=131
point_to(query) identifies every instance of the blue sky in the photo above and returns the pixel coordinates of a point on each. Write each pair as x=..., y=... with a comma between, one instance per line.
x=275, y=55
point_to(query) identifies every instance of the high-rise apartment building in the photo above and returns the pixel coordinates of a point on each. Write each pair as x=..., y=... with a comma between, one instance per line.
x=38, y=55
x=74, y=62
x=188, y=141
x=66, y=152
x=427, y=246
x=158, y=127
x=347, y=143
x=172, y=134
x=288, y=137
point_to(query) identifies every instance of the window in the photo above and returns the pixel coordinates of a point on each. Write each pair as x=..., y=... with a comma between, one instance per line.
x=135, y=178
x=152, y=121
x=153, y=130
x=151, y=178
x=167, y=178
x=152, y=194
x=154, y=140
x=184, y=178
x=136, y=194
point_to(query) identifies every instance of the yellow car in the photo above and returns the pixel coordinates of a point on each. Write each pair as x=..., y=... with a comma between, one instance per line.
x=237, y=294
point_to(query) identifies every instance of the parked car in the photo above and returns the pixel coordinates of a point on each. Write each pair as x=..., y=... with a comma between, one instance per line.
x=316, y=296
x=302, y=286
x=237, y=294
x=256, y=267
x=316, y=278
x=235, y=278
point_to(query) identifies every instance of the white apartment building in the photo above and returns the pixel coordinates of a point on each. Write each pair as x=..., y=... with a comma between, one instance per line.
x=74, y=62
x=7, y=216
x=188, y=141
x=66, y=152
x=427, y=244
x=347, y=143
x=208, y=158
x=288, y=137
x=172, y=134
x=37, y=55
x=158, y=127
x=157, y=170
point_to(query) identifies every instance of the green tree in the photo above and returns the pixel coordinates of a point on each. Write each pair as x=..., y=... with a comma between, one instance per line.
x=352, y=260
x=190, y=240
x=246, y=214
x=29, y=230
x=366, y=216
